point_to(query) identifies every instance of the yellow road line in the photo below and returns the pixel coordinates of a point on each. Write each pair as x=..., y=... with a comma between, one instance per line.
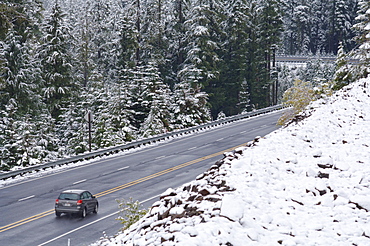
x=27, y=220
x=138, y=181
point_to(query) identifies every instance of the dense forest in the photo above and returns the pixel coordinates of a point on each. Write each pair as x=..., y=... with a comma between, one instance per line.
x=146, y=67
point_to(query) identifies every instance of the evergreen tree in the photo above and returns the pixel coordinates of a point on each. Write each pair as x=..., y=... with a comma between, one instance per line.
x=270, y=29
x=128, y=39
x=201, y=61
x=59, y=87
x=104, y=20
x=85, y=67
x=20, y=75
x=191, y=107
x=145, y=81
x=159, y=96
x=121, y=116
x=265, y=23
x=342, y=75
x=317, y=27
x=10, y=154
x=113, y=115
x=9, y=15
x=24, y=140
x=72, y=129
x=177, y=42
x=18, y=71
x=228, y=93
x=363, y=38
x=47, y=142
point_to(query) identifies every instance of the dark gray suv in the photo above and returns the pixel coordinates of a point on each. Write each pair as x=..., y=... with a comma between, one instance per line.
x=79, y=202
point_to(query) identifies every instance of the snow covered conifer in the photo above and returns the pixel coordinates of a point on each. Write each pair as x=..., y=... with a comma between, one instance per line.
x=191, y=105
x=20, y=74
x=363, y=27
x=343, y=75
x=152, y=100
x=201, y=61
x=54, y=54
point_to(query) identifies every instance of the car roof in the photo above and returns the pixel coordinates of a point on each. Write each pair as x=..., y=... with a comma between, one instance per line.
x=74, y=191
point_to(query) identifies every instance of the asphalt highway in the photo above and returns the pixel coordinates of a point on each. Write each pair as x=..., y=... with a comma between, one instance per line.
x=27, y=208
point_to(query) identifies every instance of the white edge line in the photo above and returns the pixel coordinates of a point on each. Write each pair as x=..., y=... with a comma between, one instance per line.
x=93, y=222
x=122, y=168
x=29, y=197
x=79, y=181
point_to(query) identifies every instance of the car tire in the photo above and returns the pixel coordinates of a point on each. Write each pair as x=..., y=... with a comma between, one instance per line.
x=57, y=214
x=83, y=213
x=95, y=211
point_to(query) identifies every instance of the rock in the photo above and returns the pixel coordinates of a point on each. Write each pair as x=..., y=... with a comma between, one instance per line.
x=168, y=192
x=323, y=175
x=204, y=192
x=325, y=162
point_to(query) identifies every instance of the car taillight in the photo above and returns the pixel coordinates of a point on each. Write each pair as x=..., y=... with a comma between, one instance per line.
x=79, y=202
x=56, y=201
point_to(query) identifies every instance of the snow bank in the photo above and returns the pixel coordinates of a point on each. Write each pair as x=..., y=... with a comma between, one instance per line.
x=305, y=184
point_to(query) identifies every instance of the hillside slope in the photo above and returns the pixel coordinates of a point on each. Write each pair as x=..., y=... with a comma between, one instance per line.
x=305, y=184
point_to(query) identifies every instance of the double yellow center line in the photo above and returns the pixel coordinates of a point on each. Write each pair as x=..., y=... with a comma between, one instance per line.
x=49, y=212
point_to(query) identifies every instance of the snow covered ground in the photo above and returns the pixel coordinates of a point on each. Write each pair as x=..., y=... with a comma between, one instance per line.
x=305, y=184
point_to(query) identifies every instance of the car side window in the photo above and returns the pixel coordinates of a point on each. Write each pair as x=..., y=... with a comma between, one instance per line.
x=86, y=195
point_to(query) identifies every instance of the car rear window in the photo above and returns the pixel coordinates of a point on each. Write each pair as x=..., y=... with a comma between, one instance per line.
x=69, y=196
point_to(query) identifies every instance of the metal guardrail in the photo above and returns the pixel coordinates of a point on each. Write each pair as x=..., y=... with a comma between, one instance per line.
x=138, y=143
x=304, y=59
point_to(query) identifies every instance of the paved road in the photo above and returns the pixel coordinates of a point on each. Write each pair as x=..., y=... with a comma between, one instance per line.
x=26, y=208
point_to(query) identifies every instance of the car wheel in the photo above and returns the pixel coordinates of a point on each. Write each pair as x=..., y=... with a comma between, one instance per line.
x=57, y=214
x=83, y=213
x=95, y=209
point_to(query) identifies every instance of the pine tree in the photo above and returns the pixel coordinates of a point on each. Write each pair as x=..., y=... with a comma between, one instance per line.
x=105, y=17
x=177, y=42
x=8, y=12
x=128, y=44
x=159, y=96
x=191, y=106
x=20, y=75
x=270, y=30
x=18, y=72
x=59, y=86
x=9, y=153
x=201, y=61
x=342, y=75
x=363, y=38
x=72, y=129
x=317, y=27
x=83, y=32
x=226, y=92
